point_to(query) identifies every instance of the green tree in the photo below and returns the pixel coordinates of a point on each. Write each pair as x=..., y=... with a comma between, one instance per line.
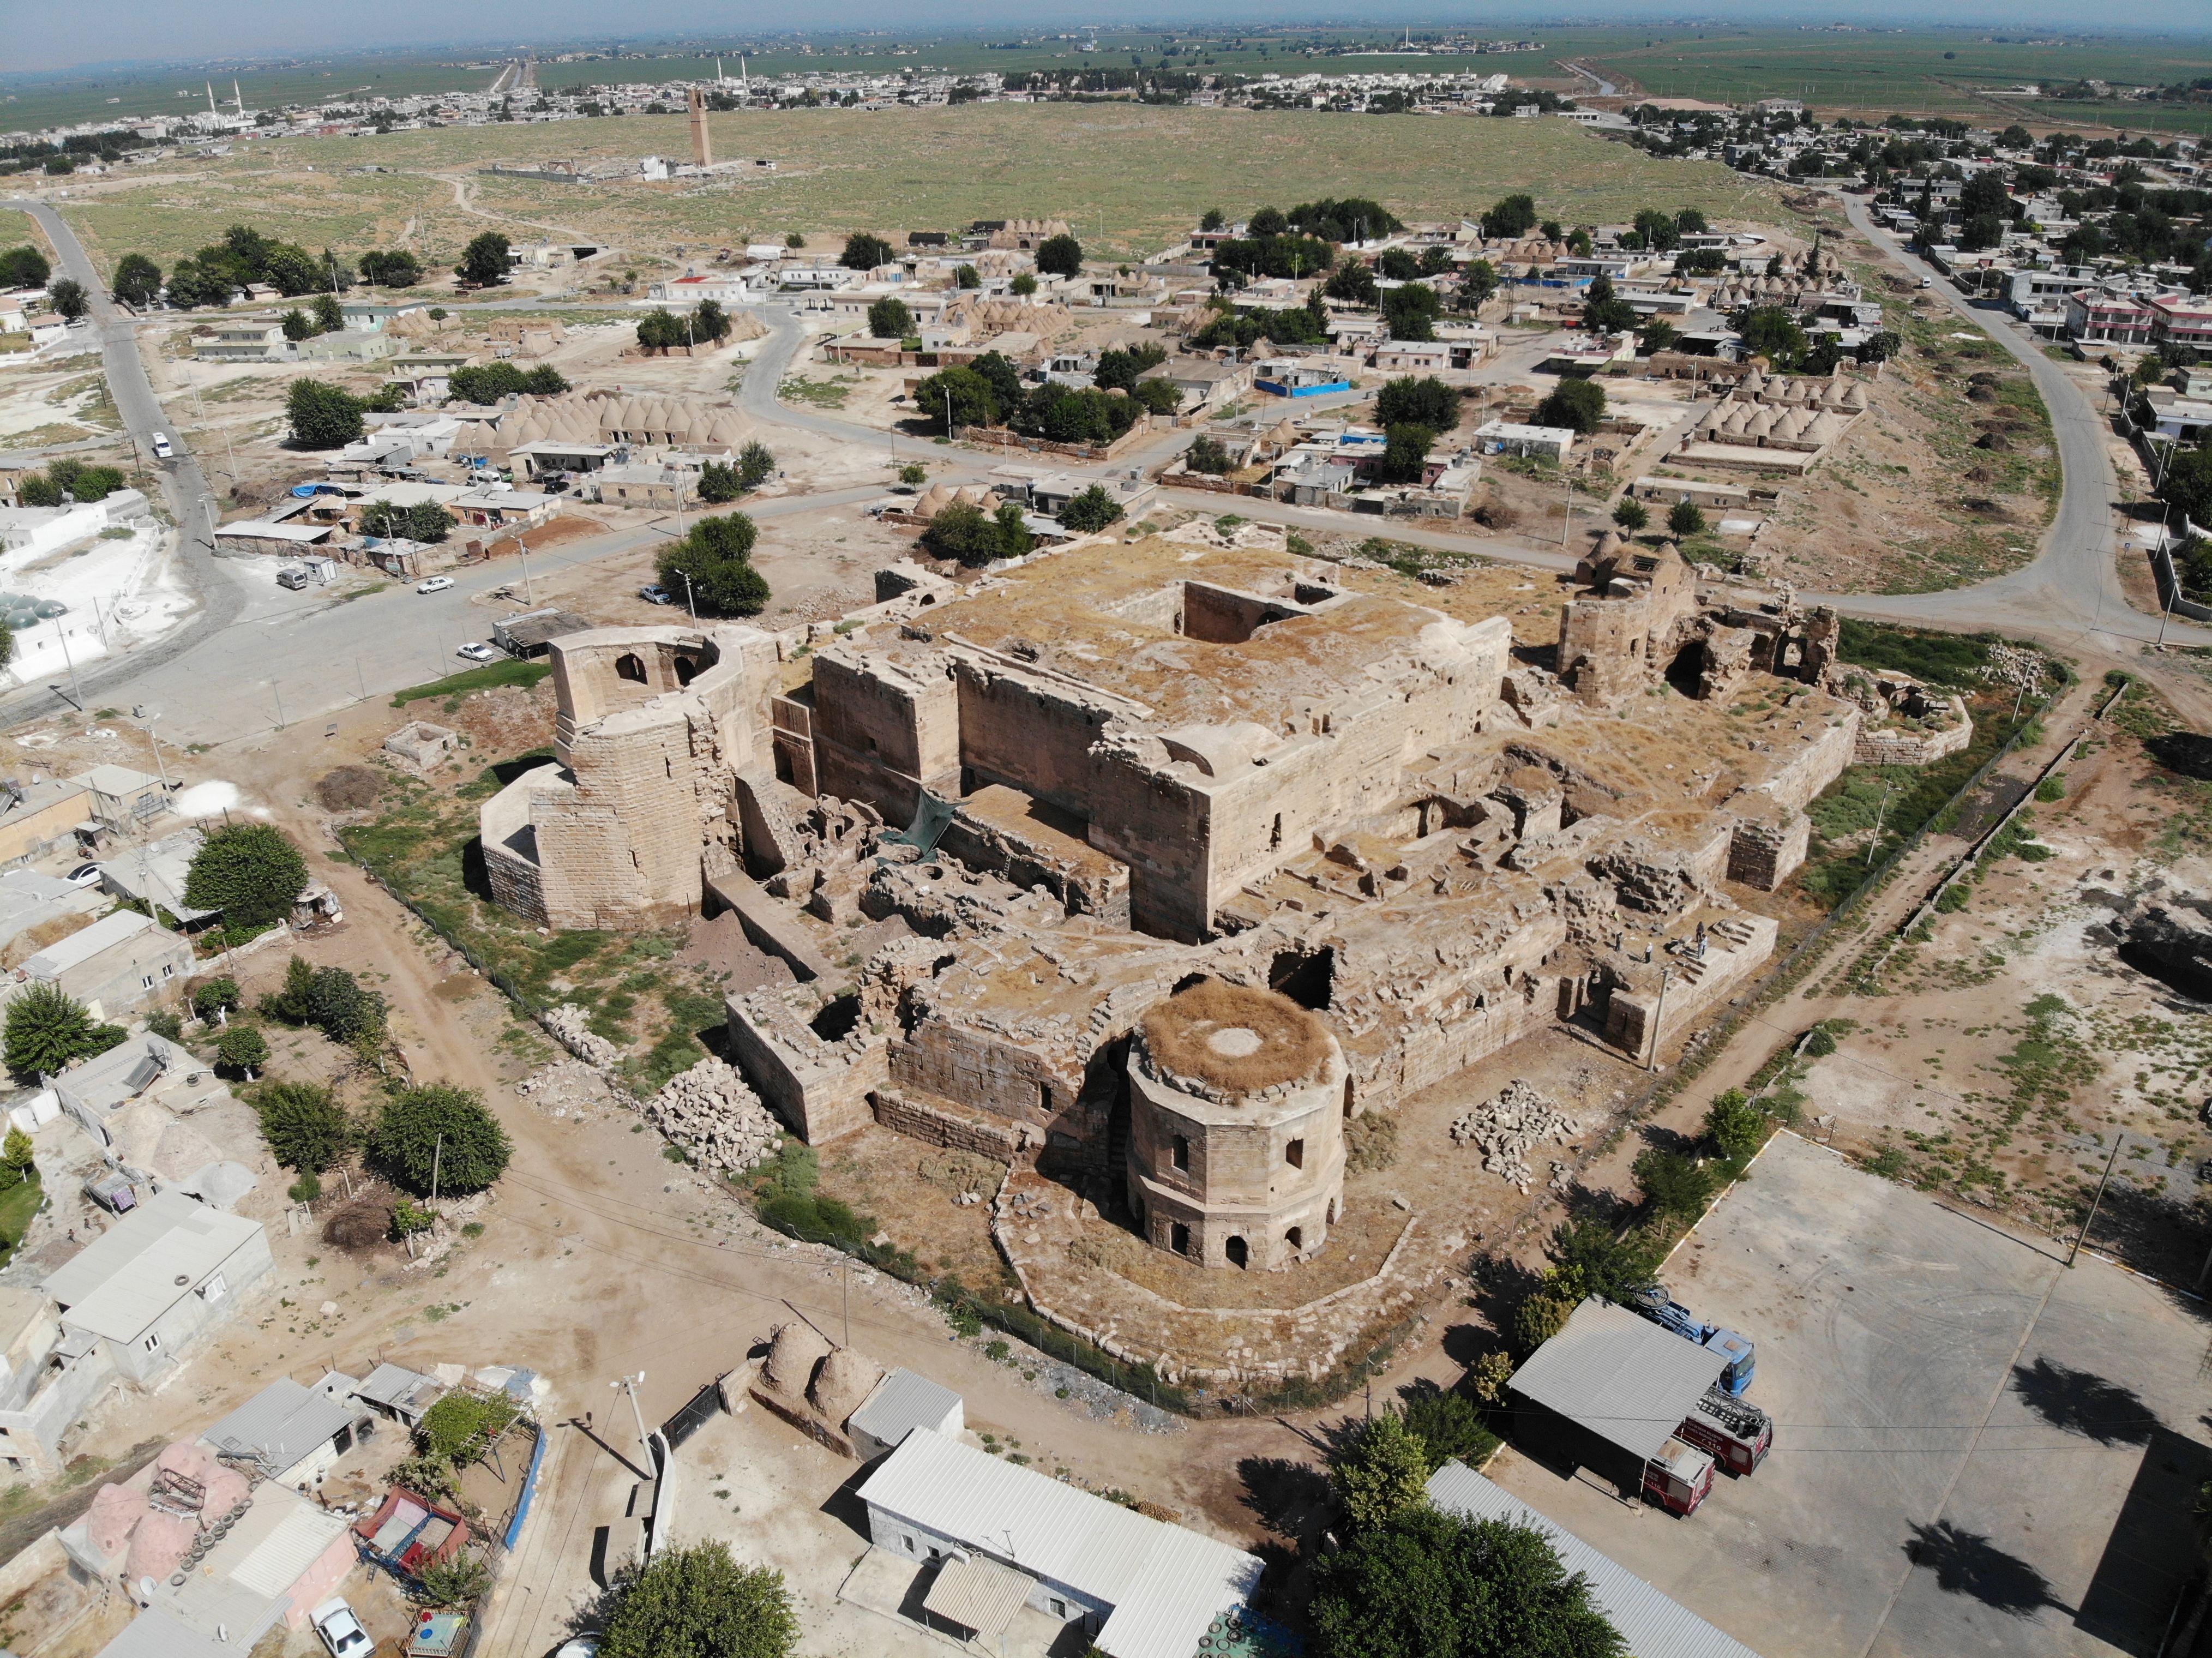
x=17, y=1159
x=242, y=1049
x=1657, y=230
x=192, y=284
x=425, y=521
x=1024, y=285
x=46, y=1029
x=967, y=277
x=307, y=1130
x=68, y=299
x=865, y=251
x=1737, y=1128
x=250, y=872
x=323, y=415
x=1449, y=1426
x=328, y=319
x=1398, y=265
x=1690, y=221
x=1090, y=512
x=1436, y=260
x=340, y=1008
x=963, y=530
x=1378, y=1472
x=1686, y=519
x=717, y=556
x=1059, y=256
x=1410, y=310
x=1426, y=402
x=914, y=474
x=1206, y=454
x=1427, y=1584
x=24, y=267
x=1677, y=1187
x=2186, y=484
x=1211, y=219
x=695, y=1602
x=1600, y=1263
x=484, y=261
x=1631, y=514
x=1477, y=283
x=709, y=322
x=398, y=269
x=439, y=1130
x=1512, y=217
x=138, y=280
x=756, y=465
x=215, y=996
x=1656, y=334
x=463, y=1424
x=1406, y=453
x=958, y=397
x=890, y=319
x=1603, y=312
x=718, y=484
x=1352, y=282
x=1576, y=404
x=458, y=1580
x=1772, y=333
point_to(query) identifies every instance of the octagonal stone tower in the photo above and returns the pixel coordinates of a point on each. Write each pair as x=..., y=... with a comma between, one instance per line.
x=1237, y=1106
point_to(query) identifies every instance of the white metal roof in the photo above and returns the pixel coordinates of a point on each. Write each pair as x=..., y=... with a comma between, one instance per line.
x=903, y=1401
x=1620, y=1376
x=283, y=1422
x=155, y=1634
x=85, y=943
x=116, y=780
x=977, y=1592
x=125, y=1279
x=1164, y=1583
x=1654, y=1625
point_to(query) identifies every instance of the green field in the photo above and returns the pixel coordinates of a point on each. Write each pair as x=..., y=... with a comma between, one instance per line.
x=1130, y=178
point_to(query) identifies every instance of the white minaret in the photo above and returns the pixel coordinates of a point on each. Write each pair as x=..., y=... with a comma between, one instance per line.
x=745, y=79
x=212, y=110
x=238, y=98
x=718, y=80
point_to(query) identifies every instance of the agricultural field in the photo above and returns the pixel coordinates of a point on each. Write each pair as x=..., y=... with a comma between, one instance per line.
x=1131, y=179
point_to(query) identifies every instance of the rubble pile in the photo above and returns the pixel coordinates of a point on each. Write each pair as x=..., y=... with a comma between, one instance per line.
x=711, y=1112
x=570, y=1088
x=1507, y=1128
x=570, y=1026
x=2010, y=665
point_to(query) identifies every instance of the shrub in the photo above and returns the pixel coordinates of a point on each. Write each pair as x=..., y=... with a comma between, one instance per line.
x=1379, y=1471
x=46, y=1029
x=439, y=1132
x=1449, y=1426
x=1090, y=511
x=1207, y=455
x=695, y=1598
x=307, y=1130
x=456, y=1581
x=1736, y=1126
x=306, y=1189
x=242, y=1050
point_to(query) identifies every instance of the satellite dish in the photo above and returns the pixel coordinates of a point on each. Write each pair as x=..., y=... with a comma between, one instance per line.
x=145, y=1587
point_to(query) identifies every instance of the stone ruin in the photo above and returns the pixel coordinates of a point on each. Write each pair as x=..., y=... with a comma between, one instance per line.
x=421, y=744
x=1506, y=1128
x=714, y=1116
x=1127, y=783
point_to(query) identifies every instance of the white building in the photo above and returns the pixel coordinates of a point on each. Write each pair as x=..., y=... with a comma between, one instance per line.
x=1505, y=437
x=145, y=1289
x=1141, y=1587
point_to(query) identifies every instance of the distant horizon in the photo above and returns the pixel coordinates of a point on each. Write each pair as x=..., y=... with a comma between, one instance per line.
x=262, y=33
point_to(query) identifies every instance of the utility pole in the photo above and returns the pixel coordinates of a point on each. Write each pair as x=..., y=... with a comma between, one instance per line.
x=2089, y=1220
x=437, y=1154
x=845, y=1283
x=1657, y=1016
x=529, y=593
x=629, y=1384
x=1878, y=812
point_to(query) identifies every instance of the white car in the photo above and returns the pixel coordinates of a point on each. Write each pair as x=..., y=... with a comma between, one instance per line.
x=477, y=650
x=584, y=1646
x=341, y=1631
x=84, y=874
x=436, y=584
x=162, y=448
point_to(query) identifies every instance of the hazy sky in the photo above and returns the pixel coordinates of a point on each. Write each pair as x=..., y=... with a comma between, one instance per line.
x=56, y=37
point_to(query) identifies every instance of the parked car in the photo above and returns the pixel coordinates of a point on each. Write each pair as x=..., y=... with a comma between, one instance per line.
x=477, y=650
x=162, y=447
x=341, y=1631
x=584, y=1646
x=656, y=595
x=84, y=874
x=436, y=584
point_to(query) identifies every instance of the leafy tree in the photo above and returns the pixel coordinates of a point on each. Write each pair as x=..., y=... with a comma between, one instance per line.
x=293, y=270
x=1122, y=367
x=1024, y=285
x=1411, y=312
x=487, y=383
x=398, y=269
x=1676, y=1186
x=1881, y=347
x=24, y=267
x=215, y=996
x=1059, y=256
x=17, y=1159
x=241, y=1048
x=323, y=415
x=1428, y=1584
x=958, y=397
x=964, y=531
x=1427, y=403
x=1090, y=512
x=458, y=1580
x=191, y=285
x=865, y=251
x=694, y=1601
x=46, y=1029
x=1603, y=311
x=1436, y=260
x=252, y=872
x=1600, y=1263
x=1004, y=379
x=1737, y=1128
x=306, y=1128
x=1690, y=221
x=1512, y=217
x=1212, y=220
x=340, y=1008
x=328, y=319
x=1158, y=397
x=1352, y=282
x=717, y=556
x=1658, y=230
x=1406, y=453
x=1449, y=1426
x=441, y=1130
x=137, y=280
x=1656, y=334
x=463, y=1424
x=718, y=484
x=1396, y=264
x=425, y=521
x=660, y=330
x=756, y=465
x=1477, y=283
x=1686, y=519
x=1206, y=454
x=966, y=277
x=1267, y=221
x=1701, y=262
x=1631, y=514
x=709, y=322
x=485, y=260
x=2186, y=484
x=1772, y=333
x=7, y=644
x=1379, y=1472
x=297, y=326
x=890, y=319
x=914, y=474
x=1576, y=405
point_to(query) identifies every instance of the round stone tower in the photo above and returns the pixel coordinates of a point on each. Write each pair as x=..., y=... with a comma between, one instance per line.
x=1237, y=1106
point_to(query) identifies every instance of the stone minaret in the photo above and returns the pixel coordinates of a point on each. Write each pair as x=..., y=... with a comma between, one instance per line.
x=701, y=152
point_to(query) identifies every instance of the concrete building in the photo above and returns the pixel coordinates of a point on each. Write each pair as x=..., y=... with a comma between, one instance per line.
x=122, y=798
x=1505, y=437
x=46, y=1384
x=245, y=341
x=38, y=817
x=121, y=962
x=148, y=1287
x=292, y=1433
x=1140, y=1588
x=902, y=1403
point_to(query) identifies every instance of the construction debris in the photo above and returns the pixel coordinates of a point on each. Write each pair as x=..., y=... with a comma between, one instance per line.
x=570, y=1088
x=570, y=1026
x=1507, y=1128
x=713, y=1114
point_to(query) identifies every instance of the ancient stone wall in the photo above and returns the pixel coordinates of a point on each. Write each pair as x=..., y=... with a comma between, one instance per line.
x=1029, y=732
x=1764, y=852
x=886, y=729
x=817, y=1085
x=937, y=1121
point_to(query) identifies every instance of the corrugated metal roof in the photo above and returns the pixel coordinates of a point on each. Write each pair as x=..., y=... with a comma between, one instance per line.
x=905, y=1401
x=125, y=1279
x=1619, y=1375
x=978, y=1594
x=393, y=1386
x=300, y=1538
x=282, y=1424
x=82, y=945
x=1165, y=1584
x=1654, y=1625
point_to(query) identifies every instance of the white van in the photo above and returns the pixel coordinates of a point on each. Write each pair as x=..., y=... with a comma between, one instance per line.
x=162, y=447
